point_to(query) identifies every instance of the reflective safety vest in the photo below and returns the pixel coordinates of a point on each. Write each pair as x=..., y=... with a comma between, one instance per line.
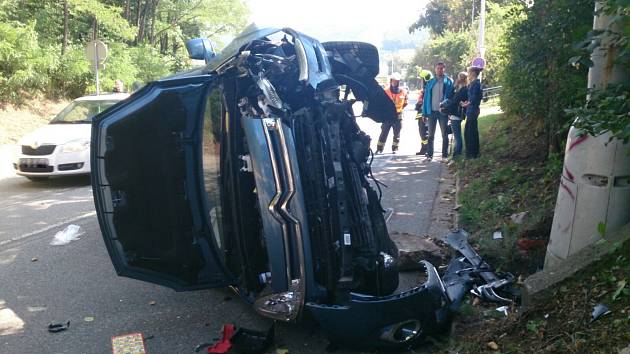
x=399, y=99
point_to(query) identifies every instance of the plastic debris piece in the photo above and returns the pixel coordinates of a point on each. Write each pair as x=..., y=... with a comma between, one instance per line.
x=223, y=346
x=67, y=235
x=493, y=345
x=34, y=259
x=546, y=316
x=503, y=309
x=128, y=343
x=152, y=302
x=88, y=319
x=598, y=311
x=389, y=212
x=251, y=341
x=58, y=327
x=497, y=235
x=518, y=217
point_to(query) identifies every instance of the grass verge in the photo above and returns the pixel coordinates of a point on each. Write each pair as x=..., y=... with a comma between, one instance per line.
x=509, y=190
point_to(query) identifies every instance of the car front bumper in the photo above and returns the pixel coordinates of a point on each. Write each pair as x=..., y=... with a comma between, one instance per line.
x=55, y=164
x=393, y=321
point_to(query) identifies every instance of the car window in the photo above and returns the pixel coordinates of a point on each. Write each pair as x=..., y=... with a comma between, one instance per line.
x=82, y=111
x=213, y=117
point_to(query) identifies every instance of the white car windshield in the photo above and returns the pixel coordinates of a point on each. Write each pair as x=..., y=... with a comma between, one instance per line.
x=82, y=111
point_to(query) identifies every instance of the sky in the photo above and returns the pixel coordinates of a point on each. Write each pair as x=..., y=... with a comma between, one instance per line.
x=360, y=20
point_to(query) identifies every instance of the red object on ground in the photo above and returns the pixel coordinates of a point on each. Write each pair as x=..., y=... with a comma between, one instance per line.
x=223, y=346
x=527, y=244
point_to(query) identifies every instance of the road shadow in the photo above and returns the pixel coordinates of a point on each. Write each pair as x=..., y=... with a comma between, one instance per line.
x=53, y=182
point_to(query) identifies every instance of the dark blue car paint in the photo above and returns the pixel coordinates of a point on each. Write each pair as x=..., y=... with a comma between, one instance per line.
x=359, y=320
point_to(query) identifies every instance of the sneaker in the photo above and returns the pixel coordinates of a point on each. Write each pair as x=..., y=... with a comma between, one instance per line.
x=423, y=149
x=420, y=153
x=379, y=151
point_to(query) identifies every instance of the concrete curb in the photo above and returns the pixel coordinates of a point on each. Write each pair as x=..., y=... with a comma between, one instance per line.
x=457, y=192
x=535, y=285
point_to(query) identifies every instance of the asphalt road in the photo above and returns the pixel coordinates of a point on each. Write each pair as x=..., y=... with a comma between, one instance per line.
x=41, y=283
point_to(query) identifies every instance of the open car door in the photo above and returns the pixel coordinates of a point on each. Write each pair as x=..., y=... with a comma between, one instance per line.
x=156, y=181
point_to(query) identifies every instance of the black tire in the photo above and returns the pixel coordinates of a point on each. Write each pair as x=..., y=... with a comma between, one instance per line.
x=361, y=58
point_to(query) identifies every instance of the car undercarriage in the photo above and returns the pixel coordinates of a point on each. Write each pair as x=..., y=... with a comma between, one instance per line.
x=264, y=184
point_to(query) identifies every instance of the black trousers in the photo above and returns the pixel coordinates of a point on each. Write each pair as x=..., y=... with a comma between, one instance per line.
x=385, y=127
x=471, y=135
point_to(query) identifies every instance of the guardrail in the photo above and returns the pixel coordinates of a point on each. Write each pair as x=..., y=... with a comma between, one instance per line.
x=491, y=92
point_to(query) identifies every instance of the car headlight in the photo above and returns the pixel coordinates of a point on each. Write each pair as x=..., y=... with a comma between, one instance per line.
x=76, y=145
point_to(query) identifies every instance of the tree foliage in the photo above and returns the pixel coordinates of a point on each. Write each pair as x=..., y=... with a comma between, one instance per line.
x=457, y=45
x=42, y=41
x=607, y=108
x=538, y=82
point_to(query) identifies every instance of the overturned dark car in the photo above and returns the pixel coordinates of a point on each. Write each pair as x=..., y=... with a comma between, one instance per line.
x=252, y=173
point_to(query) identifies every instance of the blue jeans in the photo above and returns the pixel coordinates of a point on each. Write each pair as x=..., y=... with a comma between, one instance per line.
x=442, y=119
x=456, y=125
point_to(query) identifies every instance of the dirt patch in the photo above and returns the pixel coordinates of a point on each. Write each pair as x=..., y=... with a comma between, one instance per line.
x=15, y=122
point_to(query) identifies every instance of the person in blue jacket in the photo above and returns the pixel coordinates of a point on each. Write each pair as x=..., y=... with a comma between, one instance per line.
x=471, y=132
x=436, y=91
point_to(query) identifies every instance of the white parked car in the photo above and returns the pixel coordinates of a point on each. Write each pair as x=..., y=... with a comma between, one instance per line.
x=62, y=147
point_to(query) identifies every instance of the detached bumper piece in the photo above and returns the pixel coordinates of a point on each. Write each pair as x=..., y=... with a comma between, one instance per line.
x=472, y=271
x=403, y=320
x=394, y=321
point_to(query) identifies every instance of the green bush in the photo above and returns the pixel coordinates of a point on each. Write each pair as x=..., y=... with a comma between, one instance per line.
x=538, y=82
x=19, y=61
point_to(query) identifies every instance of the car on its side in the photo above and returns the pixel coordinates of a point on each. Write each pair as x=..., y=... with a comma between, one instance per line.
x=62, y=147
x=252, y=173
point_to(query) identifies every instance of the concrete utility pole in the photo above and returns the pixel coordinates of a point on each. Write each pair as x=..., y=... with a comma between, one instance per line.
x=595, y=182
x=482, y=30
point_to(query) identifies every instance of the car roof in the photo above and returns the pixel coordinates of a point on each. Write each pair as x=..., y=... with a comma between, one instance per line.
x=104, y=97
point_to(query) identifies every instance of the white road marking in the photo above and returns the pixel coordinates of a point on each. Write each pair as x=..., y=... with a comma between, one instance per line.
x=61, y=223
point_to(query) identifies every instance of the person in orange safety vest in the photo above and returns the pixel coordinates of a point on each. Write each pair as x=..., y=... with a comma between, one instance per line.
x=399, y=97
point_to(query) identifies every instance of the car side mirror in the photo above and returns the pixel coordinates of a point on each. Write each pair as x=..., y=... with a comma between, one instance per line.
x=200, y=49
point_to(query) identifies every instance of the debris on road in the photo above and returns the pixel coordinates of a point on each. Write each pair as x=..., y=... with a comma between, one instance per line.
x=598, y=311
x=240, y=340
x=152, y=302
x=251, y=341
x=34, y=259
x=67, y=235
x=389, y=212
x=58, y=327
x=224, y=345
x=88, y=319
x=497, y=235
x=128, y=343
